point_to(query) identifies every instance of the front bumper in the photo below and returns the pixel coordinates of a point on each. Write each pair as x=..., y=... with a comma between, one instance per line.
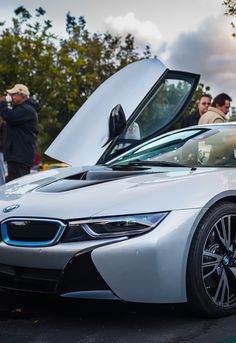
x=147, y=268
x=79, y=278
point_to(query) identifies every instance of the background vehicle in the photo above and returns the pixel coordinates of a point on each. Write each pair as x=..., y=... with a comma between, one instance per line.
x=47, y=166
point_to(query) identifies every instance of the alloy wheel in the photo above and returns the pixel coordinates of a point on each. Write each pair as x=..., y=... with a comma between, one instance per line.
x=219, y=262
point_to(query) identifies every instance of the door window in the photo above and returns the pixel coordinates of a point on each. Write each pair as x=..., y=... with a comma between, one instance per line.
x=160, y=109
x=158, y=112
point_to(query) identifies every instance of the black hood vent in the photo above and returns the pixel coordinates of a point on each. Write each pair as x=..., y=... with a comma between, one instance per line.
x=92, y=177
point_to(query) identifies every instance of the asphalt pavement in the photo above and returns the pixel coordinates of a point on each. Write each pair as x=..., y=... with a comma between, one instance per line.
x=37, y=319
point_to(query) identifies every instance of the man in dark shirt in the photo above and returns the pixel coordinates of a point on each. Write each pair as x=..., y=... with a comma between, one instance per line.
x=194, y=116
x=20, y=144
x=2, y=163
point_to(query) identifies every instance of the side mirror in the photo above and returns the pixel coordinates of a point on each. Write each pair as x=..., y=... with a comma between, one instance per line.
x=117, y=122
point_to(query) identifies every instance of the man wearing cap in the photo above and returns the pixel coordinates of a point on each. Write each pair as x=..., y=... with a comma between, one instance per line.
x=21, y=119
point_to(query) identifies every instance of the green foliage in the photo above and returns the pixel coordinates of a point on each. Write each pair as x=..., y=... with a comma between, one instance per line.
x=60, y=72
x=193, y=105
x=230, y=10
x=163, y=105
x=201, y=90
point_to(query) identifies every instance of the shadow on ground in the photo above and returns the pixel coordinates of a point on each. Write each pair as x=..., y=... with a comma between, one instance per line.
x=36, y=318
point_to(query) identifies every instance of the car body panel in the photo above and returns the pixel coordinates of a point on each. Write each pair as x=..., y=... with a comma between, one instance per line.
x=147, y=268
x=53, y=257
x=120, y=262
x=121, y=230
x=87, y=132
x=143, y=268
x=125, y=189
x=138, y=88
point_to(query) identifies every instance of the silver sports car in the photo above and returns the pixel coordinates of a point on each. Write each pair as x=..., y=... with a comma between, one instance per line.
x=151, y=219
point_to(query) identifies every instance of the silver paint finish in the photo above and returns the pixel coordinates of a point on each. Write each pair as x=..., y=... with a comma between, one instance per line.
x=81, y=141
x=53, y=257
x=152, y=267
x=99, y=199
x=10, y=208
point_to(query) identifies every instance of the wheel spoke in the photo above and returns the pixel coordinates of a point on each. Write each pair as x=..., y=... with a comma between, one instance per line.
x=224, y=232
x=212, y=272
x=233, y=272
x=214, y=264
x=234, y=250
x=222, y=291
x=216, y=261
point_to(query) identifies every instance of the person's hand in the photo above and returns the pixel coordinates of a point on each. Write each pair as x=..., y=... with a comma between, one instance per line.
x=3, y=98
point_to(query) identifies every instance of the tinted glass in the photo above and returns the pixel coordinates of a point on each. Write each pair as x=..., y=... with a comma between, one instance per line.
x=160, y=108
x=214, y=147
x=159, y=111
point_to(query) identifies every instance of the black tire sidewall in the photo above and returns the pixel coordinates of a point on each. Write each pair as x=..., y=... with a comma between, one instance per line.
x=197, y=295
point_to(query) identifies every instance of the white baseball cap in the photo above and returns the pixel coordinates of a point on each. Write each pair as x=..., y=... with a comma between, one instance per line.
x=19, y=88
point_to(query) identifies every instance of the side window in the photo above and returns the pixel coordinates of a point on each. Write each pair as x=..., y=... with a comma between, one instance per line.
x=157, y=113
x=160, y=109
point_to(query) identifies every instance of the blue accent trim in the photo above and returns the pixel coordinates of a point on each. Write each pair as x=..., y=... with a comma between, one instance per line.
x=8, y=241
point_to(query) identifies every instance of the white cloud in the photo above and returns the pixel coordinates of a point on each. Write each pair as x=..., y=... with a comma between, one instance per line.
x=210, y=51
x=144, y=32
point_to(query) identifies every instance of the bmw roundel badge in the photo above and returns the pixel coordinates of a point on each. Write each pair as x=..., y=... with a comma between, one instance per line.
x=10, y=208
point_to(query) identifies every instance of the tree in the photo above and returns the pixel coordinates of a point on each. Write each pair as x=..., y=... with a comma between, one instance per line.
x=231, y=11
x=27, y=55
x=61, y=72
x=193, y=105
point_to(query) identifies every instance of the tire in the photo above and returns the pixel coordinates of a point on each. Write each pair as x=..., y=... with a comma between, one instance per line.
x=211, y=270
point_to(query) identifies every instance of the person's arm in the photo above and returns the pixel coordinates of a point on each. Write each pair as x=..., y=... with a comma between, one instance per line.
x=3, y=107
x=14, y=116
x=218, y=120
x=3, y=103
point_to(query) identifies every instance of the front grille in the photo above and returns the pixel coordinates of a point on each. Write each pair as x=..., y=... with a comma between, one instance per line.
x=29, y=279
x=31, y=232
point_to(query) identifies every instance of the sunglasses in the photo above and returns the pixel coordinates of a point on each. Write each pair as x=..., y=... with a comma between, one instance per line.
x=205, y=103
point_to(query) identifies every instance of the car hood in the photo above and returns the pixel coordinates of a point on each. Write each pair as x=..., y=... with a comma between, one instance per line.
x=100, y=194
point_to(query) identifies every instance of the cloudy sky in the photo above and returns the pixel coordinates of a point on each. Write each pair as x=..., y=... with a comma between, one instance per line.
x=186, y=35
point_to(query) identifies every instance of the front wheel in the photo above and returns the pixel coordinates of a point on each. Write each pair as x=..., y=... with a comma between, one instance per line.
x=211, y=272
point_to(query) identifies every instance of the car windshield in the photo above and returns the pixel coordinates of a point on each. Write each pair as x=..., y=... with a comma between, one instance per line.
x=207, y=147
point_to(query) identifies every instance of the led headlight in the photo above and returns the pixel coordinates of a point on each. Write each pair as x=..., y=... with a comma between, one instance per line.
x=108, y=227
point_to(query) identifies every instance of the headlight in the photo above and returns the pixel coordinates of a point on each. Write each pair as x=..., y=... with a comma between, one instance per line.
x=118, y=226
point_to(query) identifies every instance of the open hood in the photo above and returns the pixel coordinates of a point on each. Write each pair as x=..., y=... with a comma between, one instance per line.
x=134, y=104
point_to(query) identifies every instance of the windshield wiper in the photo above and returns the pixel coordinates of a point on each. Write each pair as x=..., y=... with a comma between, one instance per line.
x=157, y=163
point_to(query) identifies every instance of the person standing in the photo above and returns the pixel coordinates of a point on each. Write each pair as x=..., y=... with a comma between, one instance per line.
x=21, y=120
x=194, y=116
x=2, y=163
x=217, y=112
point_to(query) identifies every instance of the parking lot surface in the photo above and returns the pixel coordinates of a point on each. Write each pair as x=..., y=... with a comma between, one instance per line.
x=33, y=318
